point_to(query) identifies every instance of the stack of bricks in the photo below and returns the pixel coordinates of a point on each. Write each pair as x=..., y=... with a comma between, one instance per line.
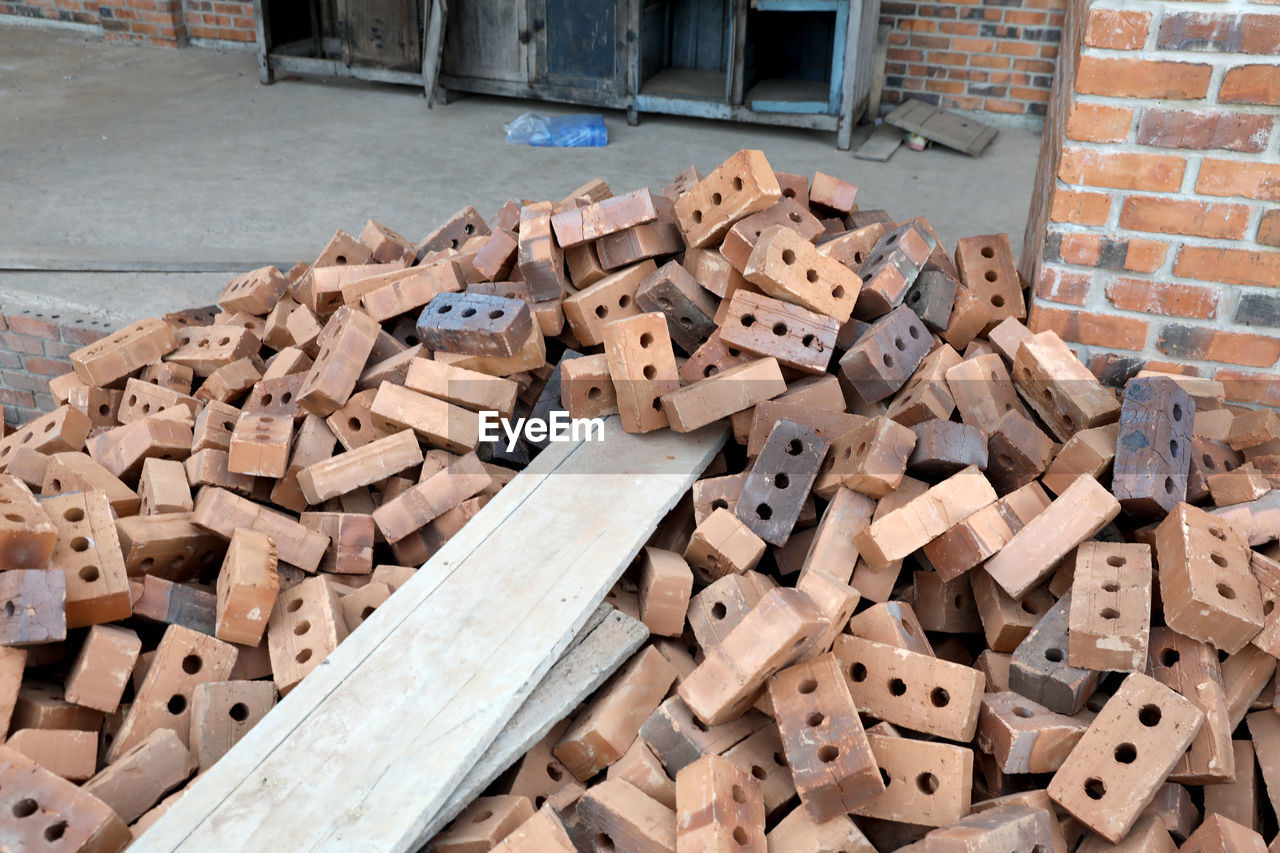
x=1154, y=233
x=992, y=55
x=946, y=590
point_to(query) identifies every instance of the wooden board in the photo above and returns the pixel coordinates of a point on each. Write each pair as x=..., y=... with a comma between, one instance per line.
x=942, y=127
x=370, y=746
x=602, y=648
x=884, y=140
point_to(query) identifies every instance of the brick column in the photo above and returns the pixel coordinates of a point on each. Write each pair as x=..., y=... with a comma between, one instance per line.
x=1155, y=212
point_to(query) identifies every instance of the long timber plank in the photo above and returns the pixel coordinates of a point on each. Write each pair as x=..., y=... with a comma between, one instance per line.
x=372, y=745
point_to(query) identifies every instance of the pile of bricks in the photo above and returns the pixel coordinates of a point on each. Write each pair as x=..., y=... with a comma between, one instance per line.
x=912, y=607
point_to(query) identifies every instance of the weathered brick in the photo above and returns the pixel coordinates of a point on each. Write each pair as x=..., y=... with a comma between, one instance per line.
x=1251, y=84
x=1205, y=129
x=35, y=325
x=1180, y=216
x=1140, y=78
x=1235, y=177
x=1088, y=328
x=1065, y=286
x=1158, y=297
x=1256, y=309
x=1116, y=29
x=1203, y=342
x=47, y=366
x=1080, y=208
x=1269, y=228
x=1144, y=255
x=1230, y=266
x=1246, y=387
x=1120, y=170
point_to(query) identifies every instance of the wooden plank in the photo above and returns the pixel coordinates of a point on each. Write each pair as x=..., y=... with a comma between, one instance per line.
x=877, y=72
x=446, y=661
x=963, y=134
x=603, y=648
x=884, y=140
x=432, y=44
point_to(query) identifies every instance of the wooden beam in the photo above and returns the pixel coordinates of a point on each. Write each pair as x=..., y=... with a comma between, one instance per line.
x=370, y=746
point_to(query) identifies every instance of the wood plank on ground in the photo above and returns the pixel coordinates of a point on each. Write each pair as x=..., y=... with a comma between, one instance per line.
x=584, y=667
x=963, y=134
x=371, y=745
x=884, y=140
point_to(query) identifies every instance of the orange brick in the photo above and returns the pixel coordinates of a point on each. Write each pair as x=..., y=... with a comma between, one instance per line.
x=1098, y=123
x=1145, y=255
x=1081, y=208
x=1125, y=171
x=1245, y=387
x=1138, y=78
x=1236, y=177
x=1088, y=328
x=1203, y=342
x=1116, y=29
x=1081, y=249
x=1159, y=297
x=1251, y=84
x=1056, y=285
x=1232, y=266
x=1179, y=216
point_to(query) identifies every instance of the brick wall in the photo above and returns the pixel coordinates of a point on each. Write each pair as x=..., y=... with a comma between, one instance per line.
x=222, y=21
x=166, y=23
x=994, y=55
x=34, y=346
x=1153, y=230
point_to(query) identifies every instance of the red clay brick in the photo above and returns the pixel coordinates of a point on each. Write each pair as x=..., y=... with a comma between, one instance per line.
x=1243, y=386
x=1026, y=19
x=47, y=366
x=1230, y=266
x=9, y=397
x=1140, y=78
x=1269, y=228
x=1145, y=255
x=1071, y=288
x=1081, y=208
x=1251, y=84
x=1083, y=250
x=1034, y=66
x=1250, y=34
x=1178, y=216
x=32, y=326
x=21, y=343
x=1232, y=131
x=997, y=105
x=1235, y=177
x=1210, y=344
x=1120, y=170
x=1159, y=297
x=1084, y=327
x=82, y=335
x=1090, y=122
x=1033, y=95
x=1116, y=29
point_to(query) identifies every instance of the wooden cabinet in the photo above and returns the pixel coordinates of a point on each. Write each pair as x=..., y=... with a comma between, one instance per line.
x=799, y=63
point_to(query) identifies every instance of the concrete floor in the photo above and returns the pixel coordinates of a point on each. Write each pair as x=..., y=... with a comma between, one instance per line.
x=112, y=151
